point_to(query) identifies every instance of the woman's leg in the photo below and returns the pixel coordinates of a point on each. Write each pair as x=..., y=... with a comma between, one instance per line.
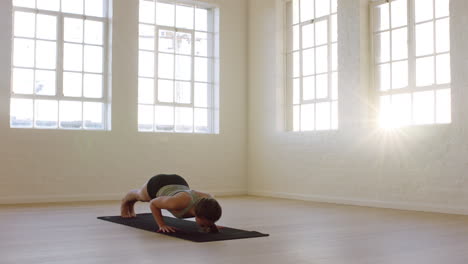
x=127, y=207
x=147, y=192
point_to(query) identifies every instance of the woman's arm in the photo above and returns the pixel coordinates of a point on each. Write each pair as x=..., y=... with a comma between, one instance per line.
x=164, y=202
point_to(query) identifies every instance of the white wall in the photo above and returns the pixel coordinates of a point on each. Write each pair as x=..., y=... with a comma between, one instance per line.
x=421, y=168
x=57, y=165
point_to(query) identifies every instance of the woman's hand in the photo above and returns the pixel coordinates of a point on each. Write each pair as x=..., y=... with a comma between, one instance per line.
x=166, y=229
x=156, y=211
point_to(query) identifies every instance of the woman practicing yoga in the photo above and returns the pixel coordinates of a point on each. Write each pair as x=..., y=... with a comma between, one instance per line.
x=172, y=192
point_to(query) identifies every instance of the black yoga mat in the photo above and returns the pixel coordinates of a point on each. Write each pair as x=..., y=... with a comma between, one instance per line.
x=187, y=230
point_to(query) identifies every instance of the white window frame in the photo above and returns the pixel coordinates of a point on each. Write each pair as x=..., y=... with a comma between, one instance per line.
x=411, y=88
x=332, y=91
x=59, y=66
x=213, y=69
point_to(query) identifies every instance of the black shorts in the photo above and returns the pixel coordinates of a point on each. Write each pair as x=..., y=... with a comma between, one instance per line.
x=161, y=180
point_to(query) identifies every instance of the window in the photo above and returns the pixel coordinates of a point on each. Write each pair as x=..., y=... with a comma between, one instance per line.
x=411, y=42
x=312, y=64
x=177, y=68
x=59, y=65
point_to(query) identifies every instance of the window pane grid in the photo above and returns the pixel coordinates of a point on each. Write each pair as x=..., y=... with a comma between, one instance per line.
x=174, y=77
x=425, y=92
x=167, y=79
x=390, y=30
x=46, y=99
x=96, y=9
x=430, y=20
x=40, y=39
x=193, y=56
x=313, y=65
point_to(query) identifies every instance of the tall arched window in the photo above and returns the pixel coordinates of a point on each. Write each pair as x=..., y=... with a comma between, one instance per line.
x=411, y=44
x=178, y=73
x=59, y=64
x=312, y=64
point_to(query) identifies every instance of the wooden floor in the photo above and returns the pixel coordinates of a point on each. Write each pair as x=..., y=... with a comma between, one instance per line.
x=300, y=232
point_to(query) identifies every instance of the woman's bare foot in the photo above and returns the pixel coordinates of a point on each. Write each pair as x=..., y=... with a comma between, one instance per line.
x=131, y=209
x=125, y=210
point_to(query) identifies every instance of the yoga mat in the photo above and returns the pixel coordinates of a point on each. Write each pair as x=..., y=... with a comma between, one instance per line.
x=187, y=230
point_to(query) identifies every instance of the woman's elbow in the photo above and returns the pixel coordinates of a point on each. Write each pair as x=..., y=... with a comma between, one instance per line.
x=153, y=203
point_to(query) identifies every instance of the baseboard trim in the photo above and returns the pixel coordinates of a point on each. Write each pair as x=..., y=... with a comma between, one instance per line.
x=227, y=193
x=58, y=198
x=11, y=200
x=422, y=207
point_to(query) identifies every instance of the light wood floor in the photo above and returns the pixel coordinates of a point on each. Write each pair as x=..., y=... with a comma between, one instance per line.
x=300, y=232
